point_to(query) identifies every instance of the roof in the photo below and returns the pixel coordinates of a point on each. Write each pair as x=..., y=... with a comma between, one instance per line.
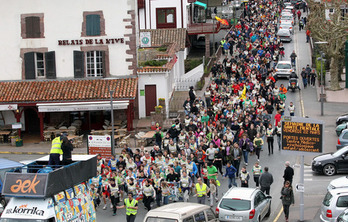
x=166, y=36
x=67, y=90
x=240, y=192
x=6, y=164
x=179, y=208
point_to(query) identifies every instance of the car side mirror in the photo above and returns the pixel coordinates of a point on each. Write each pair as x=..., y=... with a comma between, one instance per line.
x=268, y=197
x=343, y=156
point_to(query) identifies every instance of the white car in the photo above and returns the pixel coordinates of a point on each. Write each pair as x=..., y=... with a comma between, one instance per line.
x=287, y=4
x=287, y=26
x=338, y=183
x=334, y=203
x=283, y=69
x=285, y=35
x=287, y=18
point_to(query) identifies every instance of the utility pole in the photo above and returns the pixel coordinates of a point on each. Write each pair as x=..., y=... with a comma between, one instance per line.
x=112, y=122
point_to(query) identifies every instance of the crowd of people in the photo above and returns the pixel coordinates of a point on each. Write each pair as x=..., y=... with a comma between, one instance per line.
x=233, y=121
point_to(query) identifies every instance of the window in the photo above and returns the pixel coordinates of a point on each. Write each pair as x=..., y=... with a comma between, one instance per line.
x=188, y=219
x=93, y=25
x=32, y=25
x=327, y=199
x=345, y=136
x=95, y=64
x=342, y=201
x=235, y=204
x=166, y=17
x=40, y=65
x=200, y=217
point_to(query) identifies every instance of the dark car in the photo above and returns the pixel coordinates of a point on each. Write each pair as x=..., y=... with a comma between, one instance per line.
x=342, y=119
x=298, y=4
x=331, y=163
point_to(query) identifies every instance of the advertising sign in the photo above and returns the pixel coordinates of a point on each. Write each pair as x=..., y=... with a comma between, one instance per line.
x=100, y=145
x=145, y=39
x=28, y=184
x=303, y=135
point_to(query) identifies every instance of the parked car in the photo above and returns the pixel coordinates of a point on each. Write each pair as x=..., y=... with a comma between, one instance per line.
x=283, y=69
x=334, y=203
x=343, y=217
x=340, y=128
x=244, y=204
x=284, y=35
x=331, y=163
x=338, y=183
x=342, y=119
x=342, y=139
x=181, y=212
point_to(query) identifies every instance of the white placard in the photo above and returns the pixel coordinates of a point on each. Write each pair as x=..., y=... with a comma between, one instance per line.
x=16, y=125
x=8, y=107
x=145, y=39
x=99, y=141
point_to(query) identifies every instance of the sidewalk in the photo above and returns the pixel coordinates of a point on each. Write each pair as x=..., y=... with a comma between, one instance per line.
x=340, y=96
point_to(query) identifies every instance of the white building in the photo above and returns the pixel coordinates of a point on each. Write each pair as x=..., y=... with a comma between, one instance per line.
x=66, y=44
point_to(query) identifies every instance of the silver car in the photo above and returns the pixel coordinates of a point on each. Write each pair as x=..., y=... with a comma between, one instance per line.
x=284, y=35
x=283, y=69
x=334, y=203
x=342, y=139
x=244, y=204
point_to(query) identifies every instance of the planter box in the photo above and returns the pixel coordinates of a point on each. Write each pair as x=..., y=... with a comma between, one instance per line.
x=19, y=143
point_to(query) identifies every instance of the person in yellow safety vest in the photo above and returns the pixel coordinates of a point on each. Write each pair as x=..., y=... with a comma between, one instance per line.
x=222, y=42
x=201, y=191
x=131, y=206
x=56, y=151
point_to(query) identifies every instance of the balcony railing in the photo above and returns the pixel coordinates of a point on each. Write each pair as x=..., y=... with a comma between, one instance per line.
x=203, y=28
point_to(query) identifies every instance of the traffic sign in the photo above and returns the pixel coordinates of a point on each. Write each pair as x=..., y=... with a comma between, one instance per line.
x=299, y=187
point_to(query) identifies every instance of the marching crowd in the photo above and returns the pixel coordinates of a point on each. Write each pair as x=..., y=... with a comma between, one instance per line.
x=219, y=132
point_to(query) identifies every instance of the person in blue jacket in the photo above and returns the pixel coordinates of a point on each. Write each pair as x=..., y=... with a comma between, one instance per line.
x=231, y=174
x=191, y=168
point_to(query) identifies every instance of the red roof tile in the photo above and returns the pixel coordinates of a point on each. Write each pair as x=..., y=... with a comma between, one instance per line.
x=67, y=90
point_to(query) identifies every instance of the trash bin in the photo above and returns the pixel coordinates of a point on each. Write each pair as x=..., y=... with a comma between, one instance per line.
x=19, y=142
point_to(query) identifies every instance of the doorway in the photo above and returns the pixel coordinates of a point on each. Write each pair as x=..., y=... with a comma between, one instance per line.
x=32, y=126
x=150, y=99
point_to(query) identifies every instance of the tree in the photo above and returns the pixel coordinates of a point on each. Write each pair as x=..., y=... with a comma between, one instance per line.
x=332, y=30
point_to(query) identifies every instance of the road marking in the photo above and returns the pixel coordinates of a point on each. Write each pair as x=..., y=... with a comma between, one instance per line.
x=280, y=213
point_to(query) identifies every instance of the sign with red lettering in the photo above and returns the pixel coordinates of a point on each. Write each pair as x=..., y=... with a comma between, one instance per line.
x=100, y=145
x=26, y=184
x=107, y=41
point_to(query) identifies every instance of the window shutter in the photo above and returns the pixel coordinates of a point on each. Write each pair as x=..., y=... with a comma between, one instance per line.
x=50, y=60
x=93, y=25
x=79, y=66
x=103, y=64
x=29, y=65
x=32, y=25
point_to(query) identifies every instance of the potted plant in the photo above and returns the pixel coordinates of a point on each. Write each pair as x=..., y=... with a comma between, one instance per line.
x=19, y=142
x=158, y=109
x=162, y=102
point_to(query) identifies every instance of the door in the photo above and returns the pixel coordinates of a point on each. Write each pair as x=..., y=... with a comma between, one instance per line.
x=342, y=162
x=32, y=122
x=150, y=98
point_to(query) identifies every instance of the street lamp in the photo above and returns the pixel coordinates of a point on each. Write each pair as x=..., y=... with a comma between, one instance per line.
x=112, y=122
x=321, y=78
x=213, y=17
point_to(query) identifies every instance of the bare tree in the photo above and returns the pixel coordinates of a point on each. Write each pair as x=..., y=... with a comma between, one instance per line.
x=333, y=31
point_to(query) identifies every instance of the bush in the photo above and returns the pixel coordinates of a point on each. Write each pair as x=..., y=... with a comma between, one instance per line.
x=154, y=63
x=200, y=84
x=162, y=49
x=192, y=63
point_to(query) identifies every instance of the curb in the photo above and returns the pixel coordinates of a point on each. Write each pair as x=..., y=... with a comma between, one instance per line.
x=34, y=153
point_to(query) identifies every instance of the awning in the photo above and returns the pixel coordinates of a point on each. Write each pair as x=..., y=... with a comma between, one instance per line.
x=8, y=107
x=81, y=106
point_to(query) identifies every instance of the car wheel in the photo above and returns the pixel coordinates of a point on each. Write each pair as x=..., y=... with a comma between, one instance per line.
x=269, y=211
x=3, y=202
x=329, y=170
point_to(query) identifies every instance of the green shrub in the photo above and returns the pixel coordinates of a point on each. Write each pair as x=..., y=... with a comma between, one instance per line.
x=192, y=63
x=162, y=48
x=154, y=63
x=200, y=84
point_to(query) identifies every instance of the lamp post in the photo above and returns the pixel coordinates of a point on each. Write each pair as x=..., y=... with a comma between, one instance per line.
x=321, y=79
x=112, y=122
x=213, y=17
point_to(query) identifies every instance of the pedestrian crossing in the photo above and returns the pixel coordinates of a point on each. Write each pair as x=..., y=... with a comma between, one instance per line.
x=310, y=176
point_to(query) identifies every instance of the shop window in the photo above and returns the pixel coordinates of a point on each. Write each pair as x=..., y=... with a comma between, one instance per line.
x=40, y=65
x=32, y=25
x=166, y=17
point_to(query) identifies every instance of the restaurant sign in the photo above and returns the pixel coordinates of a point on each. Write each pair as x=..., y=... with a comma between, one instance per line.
x=28, y=184
x=99, y=145
x=99, y=41
x=302, y=135
x=8, y=107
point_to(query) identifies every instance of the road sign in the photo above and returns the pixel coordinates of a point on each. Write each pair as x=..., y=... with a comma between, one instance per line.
x=302, y=135
x=299, y=187
x=145, y=39
x=100, y=145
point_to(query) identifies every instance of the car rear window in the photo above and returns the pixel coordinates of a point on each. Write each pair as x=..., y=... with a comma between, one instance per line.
x=284, y=66
x=285, y=17
x=327, y=199
x=157, y=219
x=235, y=204
x=342, y=201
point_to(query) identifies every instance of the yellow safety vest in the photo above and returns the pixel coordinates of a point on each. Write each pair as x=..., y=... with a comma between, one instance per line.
x=130, y=204
x=56, y=146
x=201, y=191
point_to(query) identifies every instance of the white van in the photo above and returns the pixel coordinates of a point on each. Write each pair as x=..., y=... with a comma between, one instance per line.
x=181, y=212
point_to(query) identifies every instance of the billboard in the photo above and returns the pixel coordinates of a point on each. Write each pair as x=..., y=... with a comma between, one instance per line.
x=28, y=184
x=303, y=135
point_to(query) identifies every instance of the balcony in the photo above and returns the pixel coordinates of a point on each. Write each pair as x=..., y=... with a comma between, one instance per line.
x=203, y=28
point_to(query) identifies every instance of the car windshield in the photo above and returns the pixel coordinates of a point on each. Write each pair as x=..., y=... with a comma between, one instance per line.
x=235, y=204
x=327, y=199
x=339, y=152
x=283, y=66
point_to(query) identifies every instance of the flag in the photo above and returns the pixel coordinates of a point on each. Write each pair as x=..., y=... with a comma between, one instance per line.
x=243, y=97
x=222, y=21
